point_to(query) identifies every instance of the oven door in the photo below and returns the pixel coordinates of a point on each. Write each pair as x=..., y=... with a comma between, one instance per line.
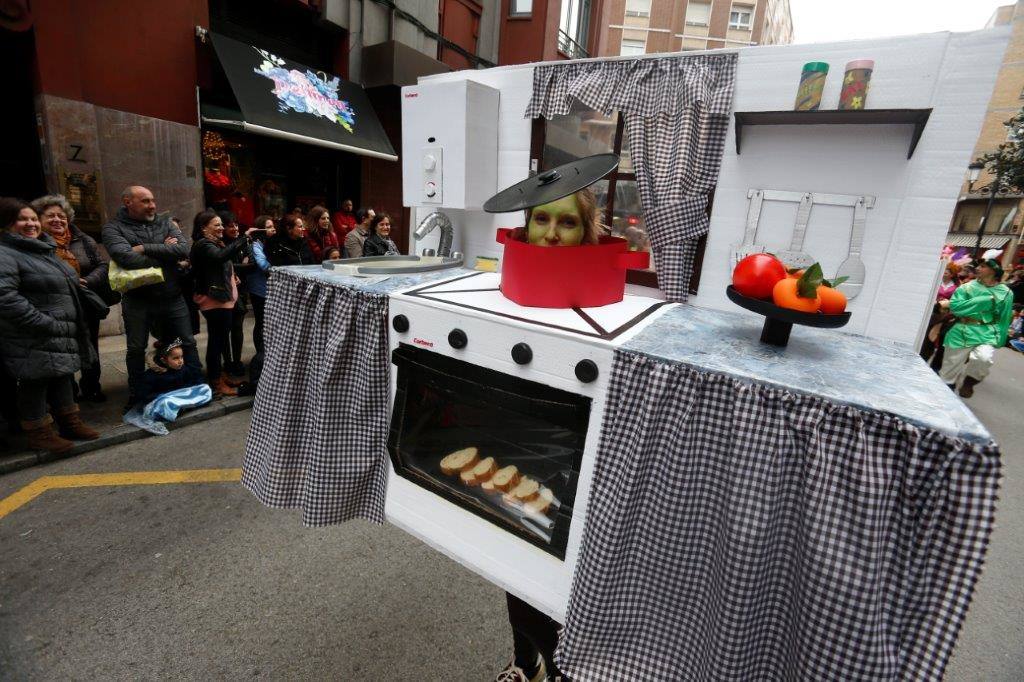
x=521, y=443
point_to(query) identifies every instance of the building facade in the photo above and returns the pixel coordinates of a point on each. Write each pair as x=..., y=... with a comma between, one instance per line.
x=110, y=93
x=646, y=26
x=548, y=30
x=1006, y=218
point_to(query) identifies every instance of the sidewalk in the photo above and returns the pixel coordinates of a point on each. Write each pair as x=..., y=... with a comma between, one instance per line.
x=106, y=417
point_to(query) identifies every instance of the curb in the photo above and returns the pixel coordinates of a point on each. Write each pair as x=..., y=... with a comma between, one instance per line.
x=124, y=434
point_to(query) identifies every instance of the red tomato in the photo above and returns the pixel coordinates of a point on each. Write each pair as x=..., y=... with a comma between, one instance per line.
x=757, y=275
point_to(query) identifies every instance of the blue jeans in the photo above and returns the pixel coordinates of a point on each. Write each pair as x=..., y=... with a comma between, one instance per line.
x=167, y=319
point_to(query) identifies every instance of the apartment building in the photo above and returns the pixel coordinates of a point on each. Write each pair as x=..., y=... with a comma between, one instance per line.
x=1005, y=225
x=646, y=26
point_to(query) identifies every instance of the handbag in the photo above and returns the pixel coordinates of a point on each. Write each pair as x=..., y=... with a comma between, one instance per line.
x=92, y=303
x=122, y=280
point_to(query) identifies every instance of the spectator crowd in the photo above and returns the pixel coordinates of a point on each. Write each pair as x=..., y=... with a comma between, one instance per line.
x=57, y=283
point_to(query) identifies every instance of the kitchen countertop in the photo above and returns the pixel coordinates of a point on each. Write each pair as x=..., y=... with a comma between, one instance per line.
x=864, y=373
x=373, y=284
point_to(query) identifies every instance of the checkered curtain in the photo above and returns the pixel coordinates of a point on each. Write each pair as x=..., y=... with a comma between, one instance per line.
x=742, y=532
x=318, y=439
x=676, y=113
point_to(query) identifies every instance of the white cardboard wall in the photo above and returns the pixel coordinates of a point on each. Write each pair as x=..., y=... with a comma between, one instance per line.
x=951, y=73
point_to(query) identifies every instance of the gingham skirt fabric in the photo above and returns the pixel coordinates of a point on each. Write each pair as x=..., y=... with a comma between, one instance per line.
x=320, y=420
x=742, y=532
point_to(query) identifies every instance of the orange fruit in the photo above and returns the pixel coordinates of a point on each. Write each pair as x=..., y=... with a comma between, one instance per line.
x=833, y=301
x=785, y=295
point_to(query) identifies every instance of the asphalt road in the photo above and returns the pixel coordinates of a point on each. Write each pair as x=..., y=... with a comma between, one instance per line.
x=199, y=581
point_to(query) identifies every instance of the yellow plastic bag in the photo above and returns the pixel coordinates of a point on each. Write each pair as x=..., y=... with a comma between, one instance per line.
x=122, y=280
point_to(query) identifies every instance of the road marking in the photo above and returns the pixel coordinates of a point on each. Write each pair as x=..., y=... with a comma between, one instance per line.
x=39, y=486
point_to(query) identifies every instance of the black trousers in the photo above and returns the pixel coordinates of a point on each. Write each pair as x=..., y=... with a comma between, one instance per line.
x=233, y=351
x=8, y=401
x=259, y=304
x=33, y=396
x=218, y=329
x=90, y=382
x=532, y=633
x=166, y=319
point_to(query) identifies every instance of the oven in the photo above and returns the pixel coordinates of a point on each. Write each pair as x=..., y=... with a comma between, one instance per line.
x=472, y=373
x=502, y=447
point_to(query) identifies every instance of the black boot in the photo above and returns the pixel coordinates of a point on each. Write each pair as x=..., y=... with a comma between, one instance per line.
x=967, y=387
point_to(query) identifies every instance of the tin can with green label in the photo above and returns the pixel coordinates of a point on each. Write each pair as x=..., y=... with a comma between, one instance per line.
x=812, y=83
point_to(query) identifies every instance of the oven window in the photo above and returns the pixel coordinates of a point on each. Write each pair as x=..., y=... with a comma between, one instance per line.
x=506, y=449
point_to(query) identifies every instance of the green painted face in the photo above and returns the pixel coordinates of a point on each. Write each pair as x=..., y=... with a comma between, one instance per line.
x=556, y=224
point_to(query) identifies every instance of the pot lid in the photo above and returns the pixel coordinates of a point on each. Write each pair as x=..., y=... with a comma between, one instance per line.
x=553, y=184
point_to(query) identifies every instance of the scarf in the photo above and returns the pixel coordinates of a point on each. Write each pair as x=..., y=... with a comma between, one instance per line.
x=64, y=253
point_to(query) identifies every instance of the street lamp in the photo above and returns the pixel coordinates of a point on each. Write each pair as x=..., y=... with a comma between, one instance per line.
x=993, y=188
x=973, y=172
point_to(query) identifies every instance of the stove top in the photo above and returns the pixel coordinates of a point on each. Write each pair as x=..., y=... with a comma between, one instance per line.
x=479, y=293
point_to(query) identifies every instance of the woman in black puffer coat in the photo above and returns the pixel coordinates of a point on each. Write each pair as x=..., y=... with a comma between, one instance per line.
x=85, y=257
x=289, y=246
x=43, y=331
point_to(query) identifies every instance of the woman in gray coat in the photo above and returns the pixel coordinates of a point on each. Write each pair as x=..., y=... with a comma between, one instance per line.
x=90, y=262
x=43, y=334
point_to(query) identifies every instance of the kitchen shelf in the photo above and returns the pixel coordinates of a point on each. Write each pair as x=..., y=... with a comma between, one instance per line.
x=915, y=117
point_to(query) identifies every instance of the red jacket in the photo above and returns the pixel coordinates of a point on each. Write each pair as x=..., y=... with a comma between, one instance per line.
x=343, y=224
x=320, y=243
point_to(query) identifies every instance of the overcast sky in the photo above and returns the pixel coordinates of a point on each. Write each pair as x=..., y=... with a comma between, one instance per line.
x=816, y=21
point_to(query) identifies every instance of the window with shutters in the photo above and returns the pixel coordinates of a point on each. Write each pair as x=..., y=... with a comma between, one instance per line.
x=698, y=13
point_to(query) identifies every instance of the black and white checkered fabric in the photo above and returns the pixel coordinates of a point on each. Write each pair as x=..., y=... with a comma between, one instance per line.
x=742, y=532
x=676, y=113
x=318, y=438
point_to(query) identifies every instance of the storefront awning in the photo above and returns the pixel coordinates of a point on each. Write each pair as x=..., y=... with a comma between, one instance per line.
x=281, y=98
x=987, y=242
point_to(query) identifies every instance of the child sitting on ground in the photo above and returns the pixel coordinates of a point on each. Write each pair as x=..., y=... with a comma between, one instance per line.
x=169, y=386
x=169, y=372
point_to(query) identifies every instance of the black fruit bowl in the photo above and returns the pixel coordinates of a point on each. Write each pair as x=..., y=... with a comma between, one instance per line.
x=778, y=322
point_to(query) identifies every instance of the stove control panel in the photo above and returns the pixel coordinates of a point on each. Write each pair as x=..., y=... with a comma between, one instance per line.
x=522, y=354
x=535, y=353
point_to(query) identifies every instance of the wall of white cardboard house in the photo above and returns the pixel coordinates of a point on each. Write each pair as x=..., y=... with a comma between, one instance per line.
x=951, y=73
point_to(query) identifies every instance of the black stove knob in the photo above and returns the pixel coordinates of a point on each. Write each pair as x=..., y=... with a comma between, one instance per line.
x=522, y=354
x=586, y=371
x=400, y=323
x=457, y=339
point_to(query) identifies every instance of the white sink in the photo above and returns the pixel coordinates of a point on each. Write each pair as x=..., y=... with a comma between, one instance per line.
x=391, y=265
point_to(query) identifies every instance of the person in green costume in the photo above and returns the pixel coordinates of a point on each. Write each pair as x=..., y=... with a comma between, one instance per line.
x=569, y=221
x=983, y=310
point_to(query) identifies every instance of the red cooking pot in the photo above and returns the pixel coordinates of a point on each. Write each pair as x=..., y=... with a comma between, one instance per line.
x=585, y=276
